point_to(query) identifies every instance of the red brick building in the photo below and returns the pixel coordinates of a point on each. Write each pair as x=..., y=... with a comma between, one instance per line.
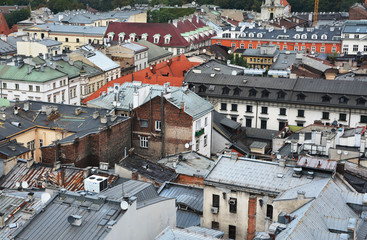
x=358, y=11
x=323, y=40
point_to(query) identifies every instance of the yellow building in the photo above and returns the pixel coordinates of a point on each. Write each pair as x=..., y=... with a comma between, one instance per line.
x=262, y=57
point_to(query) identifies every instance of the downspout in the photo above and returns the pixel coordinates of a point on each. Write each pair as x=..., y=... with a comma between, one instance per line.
x=162, y=125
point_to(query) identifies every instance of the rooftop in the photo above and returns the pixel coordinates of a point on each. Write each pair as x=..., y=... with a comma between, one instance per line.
x=189, y=234
x=217, y=67
x=70, y=29
x=134, y=47
x=154, y=52
x=6, y=48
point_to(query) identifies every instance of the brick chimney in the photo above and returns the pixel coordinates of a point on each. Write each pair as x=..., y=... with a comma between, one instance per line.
x=251, y=229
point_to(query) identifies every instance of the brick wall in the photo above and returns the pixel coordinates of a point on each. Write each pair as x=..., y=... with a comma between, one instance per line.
x=178, y=129
x=190, y=180
x=357, y=13
x=106, y=146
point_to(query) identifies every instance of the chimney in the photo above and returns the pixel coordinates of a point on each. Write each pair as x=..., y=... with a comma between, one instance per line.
x=95, y=114
x=30, y=196
x=26, y=106
x=281, y=162
x=78, y=111
x=251, y=228
x=182, y=106
x=104, y=120
x=301, y=195
x=2, y=116
x=113, y=118
x=134, y=175
x=301, y=138
x=174, y=22
x=136, y=99
x=318, y=138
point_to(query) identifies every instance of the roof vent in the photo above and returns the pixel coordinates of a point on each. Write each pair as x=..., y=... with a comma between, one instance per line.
x=75, y=220
x=78, y=111
x=212, y=75
x=95, y=114
x=301, y=195
x=104, y=120
x=310, y=174
x=297, y=172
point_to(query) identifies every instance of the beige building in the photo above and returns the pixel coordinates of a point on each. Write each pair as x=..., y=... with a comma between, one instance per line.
x=34, y=48
x=71, y=37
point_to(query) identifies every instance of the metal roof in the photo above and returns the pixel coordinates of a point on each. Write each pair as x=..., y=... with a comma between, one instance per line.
x=57, y=28
x=155, y=52
x=355, y=26
x=317, y=163
x=182, y=234
x=133, y=46
x=255, y=175
x=6, y=48
x=256, y=144
x=217, y=67
x=49, y=42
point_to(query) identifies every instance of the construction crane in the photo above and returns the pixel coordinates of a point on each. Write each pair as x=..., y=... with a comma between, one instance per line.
x=315, y=13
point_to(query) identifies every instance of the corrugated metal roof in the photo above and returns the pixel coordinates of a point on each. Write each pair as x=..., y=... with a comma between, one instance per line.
x=186, y=219
x=182, y=234
x=97, y=58
x=317, y=163
x=206, y=231
x=57, y=28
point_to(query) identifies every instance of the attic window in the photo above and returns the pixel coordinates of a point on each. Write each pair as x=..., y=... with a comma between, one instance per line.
x=281, y=95
x=251, y=35
x=156, y=38
x=110, y=36
x=304, y=36
x=132, y=37
x=343, y=100
x=236, y=91
x=265, y=94
x=225, y=90
x=326, y=98
x=296, y=36
x=314, y=36
x=301, y=97
x=259, y=35
x=202, y=88
x=121, y=37
x=324, y=36
x=211, y=88
x=167, y=38
x=361, y=101
x=252, y=93
x=144, y=36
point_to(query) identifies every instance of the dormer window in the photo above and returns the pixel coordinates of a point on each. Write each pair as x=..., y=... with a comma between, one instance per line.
x=121, y=37
x=202, y=89
x=236, y=91
x=132, y=37
x=110, y=36
x=265, y=94
x=304, y=36
x=144, y=36
x=326, y=98
x=361, y=101
x=314, y=36
x=167, y=39
x=301, y=97
x=323, y=36
x=252, y=93
x=343, y=99
x=296, y=36
x=156, y=38
x=259, y=35
x=281, y=95
x=251, y=35
x=225, y=90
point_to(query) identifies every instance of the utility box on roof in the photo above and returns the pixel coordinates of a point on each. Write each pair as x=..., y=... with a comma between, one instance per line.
x=95, y=183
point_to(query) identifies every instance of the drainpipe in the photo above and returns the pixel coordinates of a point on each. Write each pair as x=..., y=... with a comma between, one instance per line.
x=251, y=229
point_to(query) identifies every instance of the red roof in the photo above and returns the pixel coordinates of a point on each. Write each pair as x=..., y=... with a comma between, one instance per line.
x=161, y=28
x=4, y=28
x=231, y=21
x=284, y=3
x=172, y=72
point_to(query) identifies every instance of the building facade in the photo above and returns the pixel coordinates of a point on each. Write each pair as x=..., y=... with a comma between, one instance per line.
x=272, y=9
x=353, y=37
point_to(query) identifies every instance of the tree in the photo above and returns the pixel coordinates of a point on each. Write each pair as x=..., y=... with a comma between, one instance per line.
x=17, y=16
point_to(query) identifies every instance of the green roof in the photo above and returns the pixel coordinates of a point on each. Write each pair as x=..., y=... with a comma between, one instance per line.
x=36, y=75
x=4, y=102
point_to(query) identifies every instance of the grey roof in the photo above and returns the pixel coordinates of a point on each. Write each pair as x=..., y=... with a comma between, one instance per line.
x=206, y=231
x=221, y=122
x=256, y=144
x=49, y=42
x=255, y=175
x=313, y=89
x=97, y=58
x=327, y=212
x=134, y=46
x=182, y=234
x=142, y=190
x=195, y=106
x=56, y=28
x=257, y=53
x=217, y=67
x=355, y=26
x=333, y=34
x=284, y=61
x=6, y=48
x=155, y=52
x=193, y=164
x=12, y=149
x=186, y=219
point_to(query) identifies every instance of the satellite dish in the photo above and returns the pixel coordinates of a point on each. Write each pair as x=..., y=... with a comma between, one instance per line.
x=204, y=51
x=279, y=156
x=71, y=219
x=187, y=145
x=45, y=197
x=124, y=205
x=25, y=184
x=17, y=184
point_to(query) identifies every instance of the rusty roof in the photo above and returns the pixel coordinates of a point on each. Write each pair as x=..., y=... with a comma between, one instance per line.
x=38, y=176
x=317, y=163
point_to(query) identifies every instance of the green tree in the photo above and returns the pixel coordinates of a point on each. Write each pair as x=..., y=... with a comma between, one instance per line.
x=17, y=16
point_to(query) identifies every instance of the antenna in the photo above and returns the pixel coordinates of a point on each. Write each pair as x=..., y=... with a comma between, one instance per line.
x=25, y=184
x=45, y=197
x=124, y=205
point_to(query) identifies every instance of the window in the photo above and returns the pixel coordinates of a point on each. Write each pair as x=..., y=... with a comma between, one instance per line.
x=60, y=83
x=144, y=142
x=66, y=39
x=356, y=36
x=215, y=225
x=198, y=125
x=265, y=94
x=365, y=48
x=89, y=41
x=250, y=46
x=54, y=98
x=233, y=205
x=225, y=90
x=248, y=122
x=301, y=97
x=41, y=143
x=234, y=118
x=264, y=110
x=233, y=45
x=236, y=91
x=231, y=232
x=30, y=145
x=54, y=85
x=355, y=48
x=281, y=125
x=49, y=98
x=215, y=200
x=263, y=123
x=363, y=119
x=326, y=98
x=17, y=86
x=281, y=95
x=144, y=123
x=223, y=106
x=283, y=111
x=284, y=47
x=158, y=125
x=333, y=49
x=301, y=113
x=205, y=140
x=343, y=99
x=234, y=107
x=77, y=40
x=361, y=101
x=242, y=45
x=197, y=145
x=269, y=211
x=322, y=49
x=325, y=115
x=252, y=93
x=299, y=124
x=4, y=85
x=249, y=108
x=55, y=38
x=313, y=49
x=342, y=117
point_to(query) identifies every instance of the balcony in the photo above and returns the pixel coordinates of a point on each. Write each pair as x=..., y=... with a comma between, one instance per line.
x=199, y=132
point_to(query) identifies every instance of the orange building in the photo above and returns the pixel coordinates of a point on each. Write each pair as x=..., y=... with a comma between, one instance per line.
x=323, y=40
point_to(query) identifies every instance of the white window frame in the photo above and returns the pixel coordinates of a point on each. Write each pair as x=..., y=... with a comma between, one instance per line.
x=144, y=142
x=205, y=140
x=158, y=126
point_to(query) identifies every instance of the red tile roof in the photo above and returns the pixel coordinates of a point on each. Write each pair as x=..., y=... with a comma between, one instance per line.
x=284, y=2
x=4, y=28
x=161, y=28
x=172, y=72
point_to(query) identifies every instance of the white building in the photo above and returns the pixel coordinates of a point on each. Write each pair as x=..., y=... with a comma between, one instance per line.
x=34, y=48
x=354, y=37
x=272, y=9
